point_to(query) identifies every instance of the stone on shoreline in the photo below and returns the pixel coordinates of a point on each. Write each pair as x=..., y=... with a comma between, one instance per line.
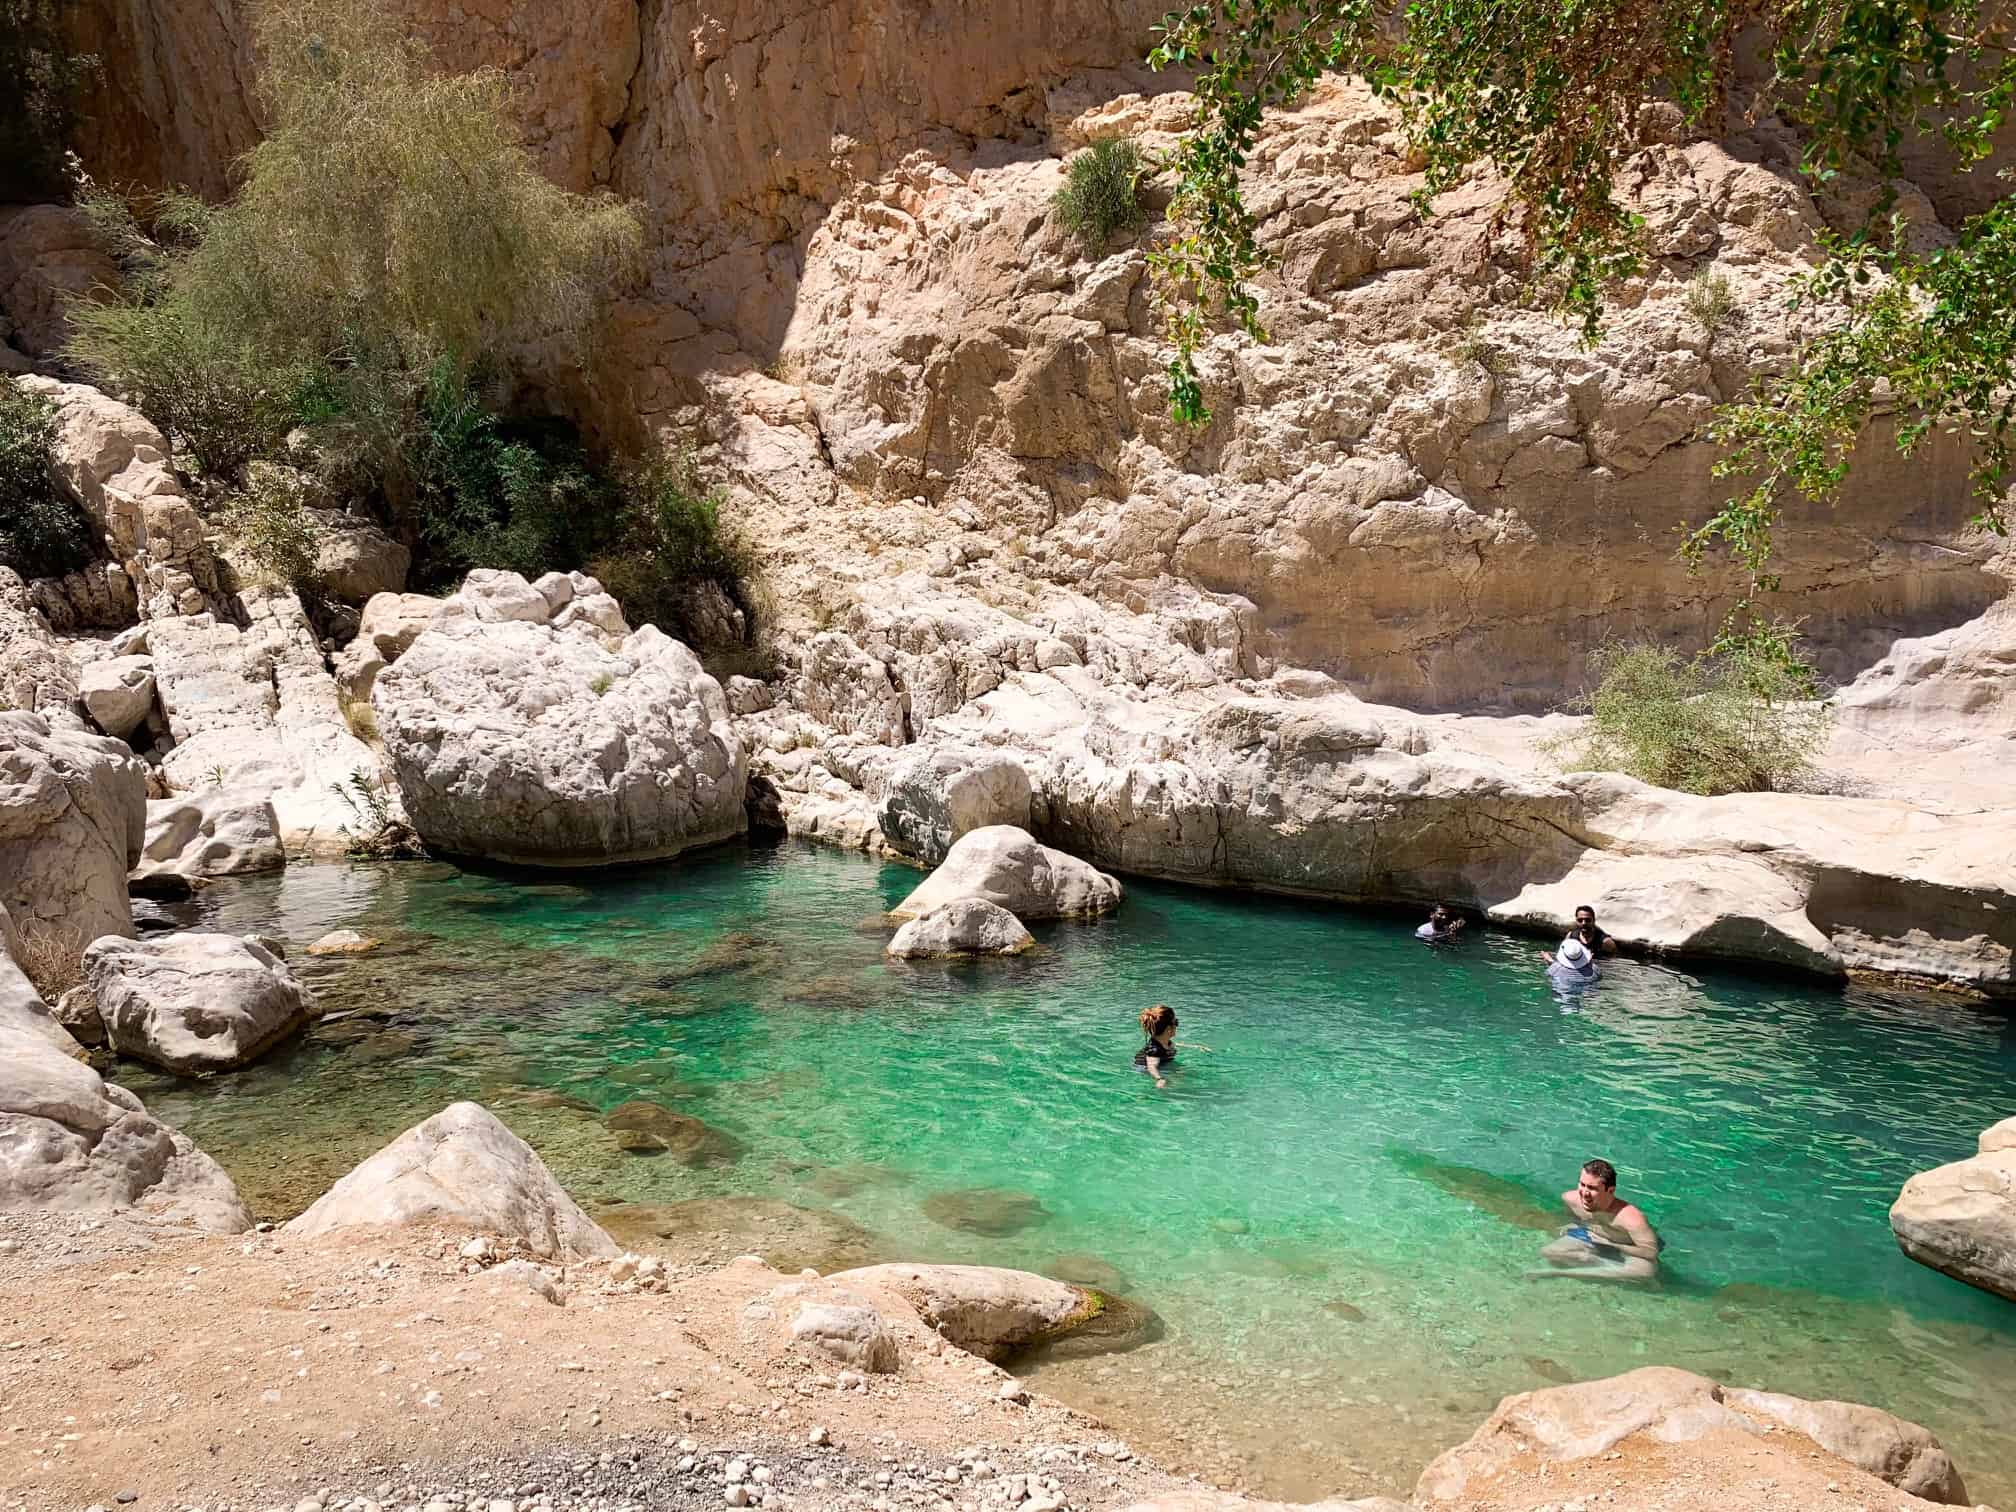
x=1960, y=1218
x=1007, y=867
x=1676, y=1407
x=218, y=832
x=964, y=926
x=847, y=1328
x=464, y=1167
x=195, y=1002
x=986, y=1310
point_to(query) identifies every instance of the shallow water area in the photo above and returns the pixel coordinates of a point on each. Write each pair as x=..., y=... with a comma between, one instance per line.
x=1332, y=1208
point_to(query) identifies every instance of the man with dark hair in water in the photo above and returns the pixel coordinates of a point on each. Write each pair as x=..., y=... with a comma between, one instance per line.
x=1592, y=938
x=1610, y=1240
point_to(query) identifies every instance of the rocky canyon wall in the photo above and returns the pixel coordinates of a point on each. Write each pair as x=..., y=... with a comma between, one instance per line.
x=861, y=309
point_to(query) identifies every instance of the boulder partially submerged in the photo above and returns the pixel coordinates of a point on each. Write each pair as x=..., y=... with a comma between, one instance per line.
x=527, y=723
x=195, y=1002
x=1960, y=1218
x=1007, y=867
x=462, y=1167
x=961, y=927
x=997, y=1313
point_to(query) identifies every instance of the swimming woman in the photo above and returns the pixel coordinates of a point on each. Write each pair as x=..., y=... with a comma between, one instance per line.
x=1159, y=1024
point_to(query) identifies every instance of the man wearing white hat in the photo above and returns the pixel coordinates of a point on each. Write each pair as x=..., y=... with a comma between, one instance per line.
x=1572, y=964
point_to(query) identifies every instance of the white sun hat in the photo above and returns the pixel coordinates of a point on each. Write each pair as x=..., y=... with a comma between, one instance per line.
x=1574, y=953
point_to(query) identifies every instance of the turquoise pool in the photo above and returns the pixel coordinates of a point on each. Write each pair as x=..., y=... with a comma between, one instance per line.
x=1331, y=1208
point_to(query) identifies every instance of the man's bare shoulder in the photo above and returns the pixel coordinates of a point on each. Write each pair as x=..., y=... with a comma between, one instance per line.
x=1630, y=1217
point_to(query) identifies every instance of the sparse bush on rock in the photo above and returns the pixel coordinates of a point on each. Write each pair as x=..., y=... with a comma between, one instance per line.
x=1736, y=722
x=1101, y=195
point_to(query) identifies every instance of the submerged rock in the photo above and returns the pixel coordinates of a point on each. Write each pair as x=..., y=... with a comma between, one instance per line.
x=788, y=1237
x=993, y=1211
x=559, y=738
x=195, y=1002
x=1961, y=1218
x=1507, y=1201
x=464, y=1167
x=643, y=1127
x=1005, y=866
x=964, y=926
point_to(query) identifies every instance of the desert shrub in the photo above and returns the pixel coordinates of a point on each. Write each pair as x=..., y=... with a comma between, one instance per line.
x=51, y=956
x=375, y=832
x=673, y=540
x=42, y=534
x=1741, y=721
x=487, y=492
x=1101, y=193
x=275, y=532
x=39, y=78
x=1711, y=301
x=387, y=224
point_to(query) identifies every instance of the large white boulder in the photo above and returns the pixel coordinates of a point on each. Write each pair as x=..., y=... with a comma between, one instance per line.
x=1679, y=1408
x=72, y=1142
x=390, y=623
x=529, y=735
x=195, y=1002
x=1006, y=866
x=461, y=1167
x=1961, y=1218
x=218, y=832
x=73, y=814
x=964, y=926
x=847, y=1328
x=117, y=693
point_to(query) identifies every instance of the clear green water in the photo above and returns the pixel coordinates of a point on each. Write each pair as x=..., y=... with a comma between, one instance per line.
x=1331, y=1208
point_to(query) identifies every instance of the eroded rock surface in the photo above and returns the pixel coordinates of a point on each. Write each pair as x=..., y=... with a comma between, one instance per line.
x=531, y=731
x=964, y=926
x=985, y=1310
x=1676, y=1407
x=219, y=832
x=195, y=1002
x=73, y=813
x=1961, y=1218
x=461, y=1166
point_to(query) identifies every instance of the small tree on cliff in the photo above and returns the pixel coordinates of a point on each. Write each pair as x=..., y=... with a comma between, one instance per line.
x=388, y=225
x=1552, y=96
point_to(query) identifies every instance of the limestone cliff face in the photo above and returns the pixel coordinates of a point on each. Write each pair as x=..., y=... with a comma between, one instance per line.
x=860, y=306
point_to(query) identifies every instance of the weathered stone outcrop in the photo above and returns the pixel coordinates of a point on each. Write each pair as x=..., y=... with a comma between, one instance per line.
x=935, y=794
x=1961, y=1218
x=528, y=723
x=389, y=624
x=1007, y=867
x=114, y=463
x=1675, y=1407
x=195, y=1002
x=254, y=710
x=963, y=926
x=49, y=255
x=72, y=1142
x=220, y=832
x=35, y=673
x=460, y=1167
x=118, y=693
x=73, y=814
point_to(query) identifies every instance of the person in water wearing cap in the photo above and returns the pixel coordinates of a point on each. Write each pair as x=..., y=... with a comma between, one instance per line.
x=1610, y=1239
x=1159, y=1024
x=1441, y=925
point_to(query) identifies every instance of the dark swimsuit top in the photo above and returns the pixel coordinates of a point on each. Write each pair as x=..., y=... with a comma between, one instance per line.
x=1160, y=1053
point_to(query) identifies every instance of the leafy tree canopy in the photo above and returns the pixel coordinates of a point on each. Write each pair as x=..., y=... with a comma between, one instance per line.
x=1549, y=94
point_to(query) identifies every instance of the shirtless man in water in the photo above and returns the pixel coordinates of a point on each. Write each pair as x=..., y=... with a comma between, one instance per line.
x=1610, y=1240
